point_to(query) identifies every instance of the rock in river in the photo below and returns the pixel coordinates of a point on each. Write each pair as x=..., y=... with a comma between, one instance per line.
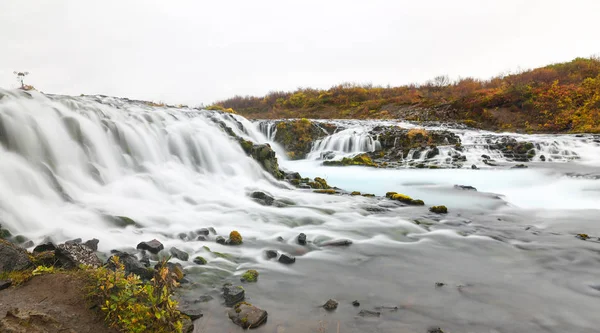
x=233, y=294
x=287, y=259
x=330, y=305
x=177, y=253
x=153, y=246
x=302, y=239
x=247, y=315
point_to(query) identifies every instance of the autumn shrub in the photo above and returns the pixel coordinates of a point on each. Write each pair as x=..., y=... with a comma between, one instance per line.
x=131, y=305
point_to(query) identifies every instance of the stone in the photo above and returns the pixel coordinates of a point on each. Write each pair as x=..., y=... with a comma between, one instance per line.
x=74, y=241
x=474, y=167
x=220, y=240
x=5, y=284
x=29, y=321
x=440, y=284
x=153, y=246
x=330, y=305
x=262, y=198
x=199, y=260
x=542, y=158
x=465, y=187
x=177, y=253
x=302, y=239
x=356, y=303
x=485, y=157
x=212, y=230
x=250, y=275
x=132, y=265
x=48, y=246
x=233, y=294
x=280, y=239
x=247, y=315
x=73, y=255
x=270, y=254
x=201, y=238
x=435, y=330
x=368, y=313
x=337, y=242
x=287, y=259
x=12, y=257
x=203, y=231
x=438, y=209
x=92, y=244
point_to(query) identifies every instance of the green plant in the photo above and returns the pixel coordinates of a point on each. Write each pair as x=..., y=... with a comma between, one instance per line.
x=133, y=306
x=250, y=275
x=43, y=270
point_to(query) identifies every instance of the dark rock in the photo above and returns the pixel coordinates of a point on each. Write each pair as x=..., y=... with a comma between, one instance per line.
x=280, y=239
x=262, y=198
x=19, y=239
x=177, y=253
x=302, y=239
x=465, y=187
x=337, y=242
x=368, y=313
x=356, y=303
x=221, y=240
x=233, y=294
x=183, y=236
x=330, y=305
x=4, y=233
x=474, y=167
x=270, y=254
x=188, y=307
x=212, y=230
x=153, y=246
x=132, y=265
x=286, y=259
x=247, y=315
x=203, y=231
x=542, y=158
x=199, y=260
x=201, y=238
x=440, y=284
x=432, y=153
x=435, y=330
x=485, y=157
x=12, y=257
x=5, y=284
x=266, y=157
x=74, y=241
x=74, y=255
x=92, y=244
x=49, y=246
x=519, y=166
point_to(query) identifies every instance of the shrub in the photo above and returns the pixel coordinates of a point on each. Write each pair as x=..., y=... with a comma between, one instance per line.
x=131, y=305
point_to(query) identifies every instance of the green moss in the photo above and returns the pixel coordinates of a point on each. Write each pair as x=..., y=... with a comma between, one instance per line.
x=295, y=182
x=323, y=182
x=389, y=194
x=401, y=197
x=438, y=209
x=199, y=260
x=361, y=159
x=418, y=202
x=328, y=191
x=355, y=193
x=235, y=238
x=246, y=145
x=368, y=195
x=250, y=275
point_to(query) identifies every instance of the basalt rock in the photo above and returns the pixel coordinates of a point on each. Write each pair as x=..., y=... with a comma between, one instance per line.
x=233, y=294
x=330, y=305
x=153, y=246
x=74, y=255
x=302, y=239
x=262, y=198
x=12, y=257
x=286, y=259
x=177, y=253
x=247, y=315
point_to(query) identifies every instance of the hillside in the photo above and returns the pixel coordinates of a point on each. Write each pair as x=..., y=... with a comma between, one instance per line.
x=563, y=97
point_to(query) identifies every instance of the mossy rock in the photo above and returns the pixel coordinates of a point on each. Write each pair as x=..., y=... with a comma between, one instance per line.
x=297, y=137
x=439, y=209
x=355, y=193
x=235, y=238
x=404, y=199
x=198, y=260
x=369, y=195
x=250, y=275
x=360, y=159
x=323, y=182
x=327, y=191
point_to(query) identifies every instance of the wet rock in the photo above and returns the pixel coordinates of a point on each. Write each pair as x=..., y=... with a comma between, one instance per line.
x=177, y=253
x=266, y=157
x=4, y=233
x=188, y=307
x=465, y=187
x=183, y=236
x=48, y=246
x=220, y=240
x=270, y=254
x=485, y=157
x=212, y=230
x=369, y=314
x=355, y=303
x=247, y=315
x=330, y=305
x=203, y=231
x=92, y=244
x=233, y=294
x=286, y=259
x=235, y=238
x=302, y=239
x=519, y=166
x=73, y=255
x=432, y=153
x=12, y=257
x=153, y=246
x=5, y=284
x=440, y=284
x=583, y=236
x=435, y=330
x=542, y=158
x=27, y=244
x=262, y=198
x=132, y=265
x=201, y=238
x=474, y=167
x=199, y=260
x=280, y=239
x=337, y=242
x=438, y=209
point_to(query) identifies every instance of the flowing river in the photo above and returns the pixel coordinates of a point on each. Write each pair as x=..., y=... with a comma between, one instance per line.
x=506, y=254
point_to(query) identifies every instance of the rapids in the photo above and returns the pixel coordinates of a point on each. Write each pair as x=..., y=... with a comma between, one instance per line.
x=507, y=253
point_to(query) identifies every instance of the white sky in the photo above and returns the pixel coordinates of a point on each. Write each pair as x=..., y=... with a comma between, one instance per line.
x=201, y=51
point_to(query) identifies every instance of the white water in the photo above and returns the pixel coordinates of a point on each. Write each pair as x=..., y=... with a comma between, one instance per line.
x=174, y=171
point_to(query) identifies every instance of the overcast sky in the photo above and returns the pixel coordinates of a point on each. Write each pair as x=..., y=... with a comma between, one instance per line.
x=201, y=51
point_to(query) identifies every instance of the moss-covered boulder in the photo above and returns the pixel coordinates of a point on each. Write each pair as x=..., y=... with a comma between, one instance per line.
x=360, y=159
x=404, y=199
x=250, y=275
x=439, y=209
x=297, y=136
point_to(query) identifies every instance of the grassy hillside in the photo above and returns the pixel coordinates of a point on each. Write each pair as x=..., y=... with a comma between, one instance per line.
x=562, y=97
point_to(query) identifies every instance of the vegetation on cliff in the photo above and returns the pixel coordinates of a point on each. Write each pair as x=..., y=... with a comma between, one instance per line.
x=563, y=97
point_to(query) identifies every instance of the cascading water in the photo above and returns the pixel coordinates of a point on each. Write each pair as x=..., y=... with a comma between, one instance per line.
x=507, y=253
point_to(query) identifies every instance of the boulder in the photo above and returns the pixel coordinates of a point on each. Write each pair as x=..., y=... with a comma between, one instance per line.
x=92, y=244
x=177, y=253
x=74, y=241
x=233, y=294
x=73, y=255
x=203, y=231
x=286, y=259
x=199, y=260
x=270, y=254
x=302, y=239
x=330, y=305
x=48, y=246
x=220, y=240
x=247, y=315
x=12, y=257
x=153, y=246
x=262, y=198
x=355, y=303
